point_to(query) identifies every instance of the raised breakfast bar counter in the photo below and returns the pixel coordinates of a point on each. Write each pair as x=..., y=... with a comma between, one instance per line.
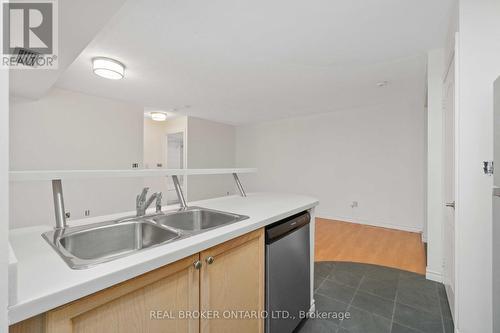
x=44, y=281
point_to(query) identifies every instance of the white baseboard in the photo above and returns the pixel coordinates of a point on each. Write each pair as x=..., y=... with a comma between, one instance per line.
x=372, y=223
x=433, y=276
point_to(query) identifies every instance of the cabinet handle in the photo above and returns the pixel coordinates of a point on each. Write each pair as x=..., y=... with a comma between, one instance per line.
x=197, y=264
x=210, y=260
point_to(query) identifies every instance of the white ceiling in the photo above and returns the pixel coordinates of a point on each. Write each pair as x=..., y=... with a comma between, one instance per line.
x=241, y=61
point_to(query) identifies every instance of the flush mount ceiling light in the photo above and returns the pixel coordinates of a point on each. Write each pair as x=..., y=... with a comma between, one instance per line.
x=382, y=84
x=158, y=116
x=108, y=68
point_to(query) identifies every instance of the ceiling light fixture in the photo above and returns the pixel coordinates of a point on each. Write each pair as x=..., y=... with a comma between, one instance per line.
x=158, y=116
x=108, y=68
x=382, y=84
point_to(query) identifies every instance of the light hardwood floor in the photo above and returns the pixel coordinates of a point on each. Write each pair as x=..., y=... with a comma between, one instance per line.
x=342, y=241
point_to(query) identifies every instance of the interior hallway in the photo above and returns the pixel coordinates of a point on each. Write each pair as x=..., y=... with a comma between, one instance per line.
x=343, y=241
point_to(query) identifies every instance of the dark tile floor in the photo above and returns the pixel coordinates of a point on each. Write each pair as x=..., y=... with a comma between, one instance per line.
x=378, y=299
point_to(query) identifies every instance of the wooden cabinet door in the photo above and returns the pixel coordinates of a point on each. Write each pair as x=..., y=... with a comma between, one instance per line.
x=234, y=281
x=127, y=307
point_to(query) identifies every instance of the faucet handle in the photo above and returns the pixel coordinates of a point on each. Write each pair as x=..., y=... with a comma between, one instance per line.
x=159, y=195
x=142, y=197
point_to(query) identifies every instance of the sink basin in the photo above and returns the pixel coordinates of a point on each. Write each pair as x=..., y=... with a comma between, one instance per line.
x=197, y=219
x=88, y=245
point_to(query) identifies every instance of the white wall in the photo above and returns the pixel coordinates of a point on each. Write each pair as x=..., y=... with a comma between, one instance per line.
x=210, y=145
x=69, y=130
x=478, y=68
x=4, y=190
x=373, y=155
x=154, y=146
x=435, y=71
x=496, y=216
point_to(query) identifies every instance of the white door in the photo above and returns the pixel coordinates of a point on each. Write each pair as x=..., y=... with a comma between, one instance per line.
x=449, y=186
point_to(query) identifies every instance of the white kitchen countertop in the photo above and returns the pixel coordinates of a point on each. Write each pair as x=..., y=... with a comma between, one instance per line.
x=44, y=281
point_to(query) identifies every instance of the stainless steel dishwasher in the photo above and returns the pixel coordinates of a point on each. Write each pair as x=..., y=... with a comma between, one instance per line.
x=288, y=278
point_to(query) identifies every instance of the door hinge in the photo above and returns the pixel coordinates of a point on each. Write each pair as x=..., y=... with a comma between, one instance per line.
x=488, y=167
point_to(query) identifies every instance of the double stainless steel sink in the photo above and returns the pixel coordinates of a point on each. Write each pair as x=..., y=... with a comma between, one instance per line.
x=85, y=246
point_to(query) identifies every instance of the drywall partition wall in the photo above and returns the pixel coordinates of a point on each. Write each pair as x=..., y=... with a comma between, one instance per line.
x=154, y=135
x=496, y=214
x=373, y=156
x=210, y=145
x=4, y=195
x=4, y=192
x=478, y=66
x=435, y=72
x=70, y=130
